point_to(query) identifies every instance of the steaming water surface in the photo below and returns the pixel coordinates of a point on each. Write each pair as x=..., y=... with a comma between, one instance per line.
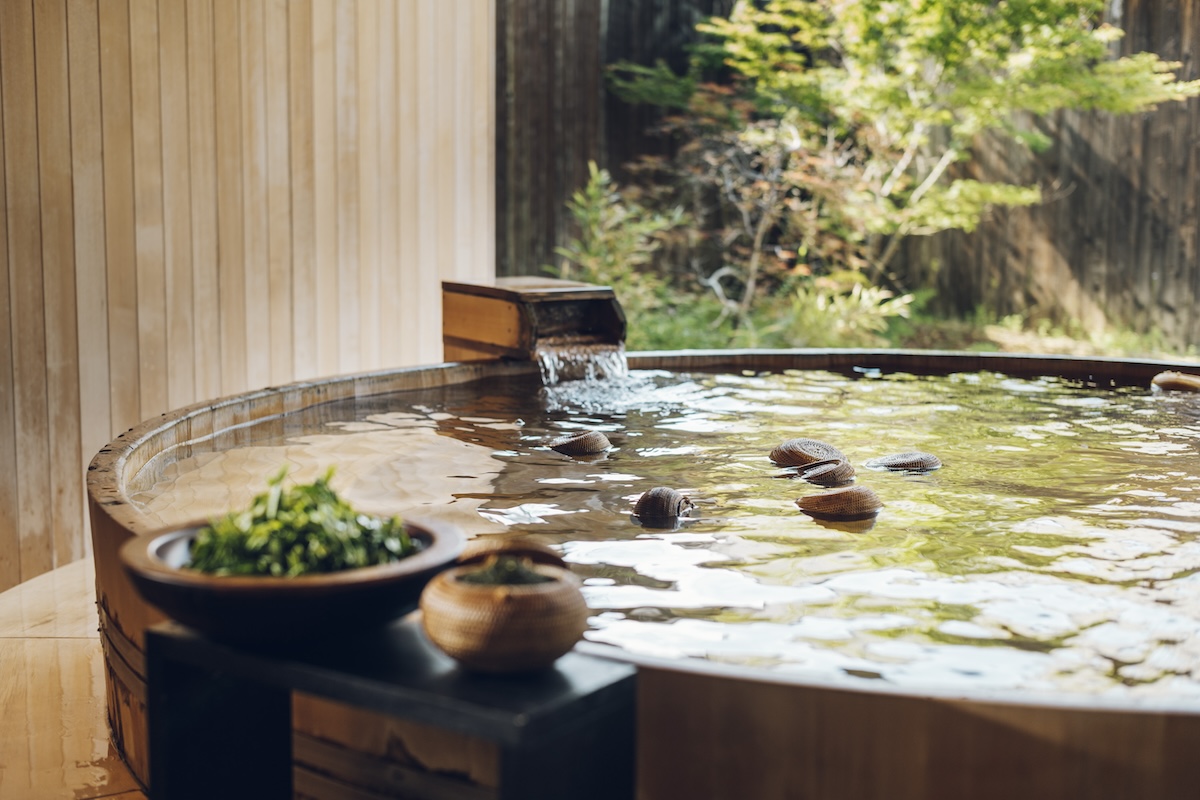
x=1058, y=548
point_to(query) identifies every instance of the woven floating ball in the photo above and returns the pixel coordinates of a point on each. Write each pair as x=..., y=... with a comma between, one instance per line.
x=845, y=503
x=913, y=461
x=798, y=452
x=830, y=472
x=585, y=443
x=662, y=502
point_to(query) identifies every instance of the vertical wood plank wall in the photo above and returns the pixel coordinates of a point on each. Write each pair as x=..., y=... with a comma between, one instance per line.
x=201, y=197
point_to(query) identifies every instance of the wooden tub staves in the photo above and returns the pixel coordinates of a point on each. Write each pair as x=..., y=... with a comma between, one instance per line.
x=704, y=730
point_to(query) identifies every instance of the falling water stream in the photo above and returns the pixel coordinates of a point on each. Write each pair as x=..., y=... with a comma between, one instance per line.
x=1057, y=550
x=563, y=360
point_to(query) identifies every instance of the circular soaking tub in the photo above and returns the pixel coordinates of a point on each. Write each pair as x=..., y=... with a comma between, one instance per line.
x=747, y=722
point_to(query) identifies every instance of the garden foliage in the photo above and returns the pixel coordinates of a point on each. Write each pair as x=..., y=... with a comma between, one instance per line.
x=811, y=137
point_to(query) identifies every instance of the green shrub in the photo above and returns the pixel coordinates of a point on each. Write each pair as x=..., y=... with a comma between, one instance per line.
x=810, y=138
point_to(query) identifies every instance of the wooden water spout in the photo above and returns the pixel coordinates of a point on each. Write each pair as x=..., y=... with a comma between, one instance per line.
x=511, y=319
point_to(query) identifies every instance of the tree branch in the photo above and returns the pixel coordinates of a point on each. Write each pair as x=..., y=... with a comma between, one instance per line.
x=938, y=168
x=904, y=161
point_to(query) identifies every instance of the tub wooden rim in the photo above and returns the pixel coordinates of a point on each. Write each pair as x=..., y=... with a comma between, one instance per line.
x=1102, y=370
x=124, y=456
x=1032, y=698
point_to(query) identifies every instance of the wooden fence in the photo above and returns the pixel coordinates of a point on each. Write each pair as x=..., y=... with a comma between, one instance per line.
x=201, y=197
x=554, y=113
x=1116, y=240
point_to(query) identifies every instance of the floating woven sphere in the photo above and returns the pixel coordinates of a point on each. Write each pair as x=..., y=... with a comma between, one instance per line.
x=662, y=502
x=585, y=443
x=1176, y=381
x=798, y=452
x=913, y=461
x=830, y=472
x=846, y=503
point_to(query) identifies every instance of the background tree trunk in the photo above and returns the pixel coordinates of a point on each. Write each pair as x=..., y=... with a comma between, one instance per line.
x=554, y=112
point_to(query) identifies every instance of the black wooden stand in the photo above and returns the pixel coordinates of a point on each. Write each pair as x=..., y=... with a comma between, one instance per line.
x=220, y=717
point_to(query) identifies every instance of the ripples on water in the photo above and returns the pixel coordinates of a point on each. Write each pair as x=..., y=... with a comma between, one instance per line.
x=1057, y=548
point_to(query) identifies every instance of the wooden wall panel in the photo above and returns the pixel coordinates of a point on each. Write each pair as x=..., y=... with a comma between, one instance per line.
x=305, y=335
x=116, y=125
x=279, y=192
x=388, y=176
x=87, y=175
x=367, y=78
x=227, y=115
x=440, y=67
x=325, y=185
x=10, y=537
x=202, y=183
x=201, y=197
x=259, y=303
x=26, y=311
x=431, y=147
x=408, y=135
x=463, y=59
x=65, y=500
x=346, y=158
x=150, y=259
x=177, y=205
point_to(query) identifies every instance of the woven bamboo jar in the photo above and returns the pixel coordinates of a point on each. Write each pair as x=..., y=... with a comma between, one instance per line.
x=505, y=627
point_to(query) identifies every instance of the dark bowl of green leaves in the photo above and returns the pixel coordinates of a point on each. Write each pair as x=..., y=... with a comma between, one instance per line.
x=299, y=564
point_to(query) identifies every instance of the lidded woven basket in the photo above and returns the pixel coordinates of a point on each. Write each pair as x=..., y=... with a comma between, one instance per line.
x=505, y=627
x=845, y=503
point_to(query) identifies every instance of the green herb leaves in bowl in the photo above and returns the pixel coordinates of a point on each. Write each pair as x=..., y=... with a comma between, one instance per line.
x=298, y=530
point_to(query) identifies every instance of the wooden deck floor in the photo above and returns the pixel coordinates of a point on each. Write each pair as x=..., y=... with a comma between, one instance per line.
x=54, y=740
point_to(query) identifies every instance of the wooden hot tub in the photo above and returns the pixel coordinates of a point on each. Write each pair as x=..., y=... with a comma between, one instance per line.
x=707, y=730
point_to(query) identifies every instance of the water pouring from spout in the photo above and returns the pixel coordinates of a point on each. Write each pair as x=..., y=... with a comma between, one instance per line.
x=564, y=360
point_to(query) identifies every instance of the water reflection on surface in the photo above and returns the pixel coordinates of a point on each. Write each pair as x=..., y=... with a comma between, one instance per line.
x=1058, y=547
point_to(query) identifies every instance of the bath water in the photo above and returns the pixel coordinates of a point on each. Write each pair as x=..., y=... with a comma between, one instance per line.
x=1057, y=549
